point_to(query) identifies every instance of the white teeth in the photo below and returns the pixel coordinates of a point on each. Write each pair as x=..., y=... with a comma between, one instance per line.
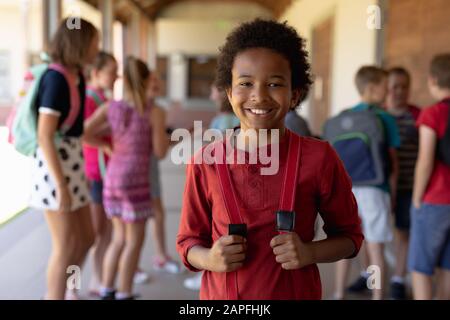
x=259, y=111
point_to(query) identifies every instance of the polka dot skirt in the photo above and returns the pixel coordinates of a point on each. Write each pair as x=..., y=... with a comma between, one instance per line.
x=43, y=193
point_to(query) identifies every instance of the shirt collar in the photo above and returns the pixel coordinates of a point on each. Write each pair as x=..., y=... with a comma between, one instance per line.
x=283, y=148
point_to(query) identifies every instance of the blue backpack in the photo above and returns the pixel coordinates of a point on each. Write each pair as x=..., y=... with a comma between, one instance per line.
x=359, y=140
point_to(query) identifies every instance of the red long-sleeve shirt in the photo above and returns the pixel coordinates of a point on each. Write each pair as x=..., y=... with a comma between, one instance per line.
x=324, y=187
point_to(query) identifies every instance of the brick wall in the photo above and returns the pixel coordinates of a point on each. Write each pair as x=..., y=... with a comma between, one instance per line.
x=416, y=30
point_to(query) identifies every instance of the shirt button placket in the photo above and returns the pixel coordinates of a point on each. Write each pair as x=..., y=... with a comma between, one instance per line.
x=255, y=191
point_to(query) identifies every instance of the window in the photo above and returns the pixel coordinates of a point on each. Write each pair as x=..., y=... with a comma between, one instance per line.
x=202, y=70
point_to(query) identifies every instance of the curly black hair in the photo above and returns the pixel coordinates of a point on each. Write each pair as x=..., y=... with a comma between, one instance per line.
x=268, y=34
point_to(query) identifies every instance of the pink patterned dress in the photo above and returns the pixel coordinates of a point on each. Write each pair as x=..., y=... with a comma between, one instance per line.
x=126, y=192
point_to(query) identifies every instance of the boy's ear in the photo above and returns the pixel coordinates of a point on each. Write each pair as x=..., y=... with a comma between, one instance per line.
x=368, y=89
x=295, y=100
x=228, y=92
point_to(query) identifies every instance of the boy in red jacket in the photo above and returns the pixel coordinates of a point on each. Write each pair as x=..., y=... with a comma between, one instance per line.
x=264, y=70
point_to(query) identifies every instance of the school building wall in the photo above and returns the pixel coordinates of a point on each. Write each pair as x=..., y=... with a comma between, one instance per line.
x=20, y=37
x=21, y=34
x=194, y=28
x=416, y=31
x=354, y=44
x=82, y=9
x=177, y=39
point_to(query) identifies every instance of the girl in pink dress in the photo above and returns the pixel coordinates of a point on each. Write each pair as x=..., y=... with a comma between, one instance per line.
x=138, y=130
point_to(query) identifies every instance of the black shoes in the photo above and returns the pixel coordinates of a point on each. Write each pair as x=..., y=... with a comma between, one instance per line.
x=108, y=296
x=112, y=296
x=398, y=291
x=359, y=286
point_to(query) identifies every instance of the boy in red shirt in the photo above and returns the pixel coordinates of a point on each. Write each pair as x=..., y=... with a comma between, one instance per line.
x=264, y=70
x=430, y=216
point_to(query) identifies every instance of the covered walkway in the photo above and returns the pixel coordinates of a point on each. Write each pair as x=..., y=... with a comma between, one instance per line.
x=25, y=247
x=179, y=39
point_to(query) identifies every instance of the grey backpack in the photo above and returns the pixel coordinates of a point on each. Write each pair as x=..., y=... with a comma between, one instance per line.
x=359, y=140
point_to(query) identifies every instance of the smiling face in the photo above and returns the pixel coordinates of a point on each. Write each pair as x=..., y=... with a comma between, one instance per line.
x=261, y=93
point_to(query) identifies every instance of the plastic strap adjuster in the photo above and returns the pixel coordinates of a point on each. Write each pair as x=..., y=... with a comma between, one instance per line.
x=285, y=221
x=238, y=229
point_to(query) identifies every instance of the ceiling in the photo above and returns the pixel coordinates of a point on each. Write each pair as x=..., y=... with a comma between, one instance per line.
x=152, y=8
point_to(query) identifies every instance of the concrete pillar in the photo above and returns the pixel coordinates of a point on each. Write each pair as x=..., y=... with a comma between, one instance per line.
x=143, y=38
x=178, y=77
x=134, y=33
x=107, y=11
x=52, y=17
x=151, y=45
x=25, y=13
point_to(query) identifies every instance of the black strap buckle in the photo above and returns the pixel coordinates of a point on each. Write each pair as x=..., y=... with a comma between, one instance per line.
x=238, y=229
x=285, y=221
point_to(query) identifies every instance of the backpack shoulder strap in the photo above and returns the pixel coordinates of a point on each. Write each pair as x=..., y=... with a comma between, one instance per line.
x=232, y=207
x=291, y=175
x=226, y=187
x=75, y=104
x=95, y=96
x=290, y=179
x=288, y=194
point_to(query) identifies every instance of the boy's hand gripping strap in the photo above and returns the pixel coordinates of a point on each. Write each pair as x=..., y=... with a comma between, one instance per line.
x=237, y=226
x=286, y=215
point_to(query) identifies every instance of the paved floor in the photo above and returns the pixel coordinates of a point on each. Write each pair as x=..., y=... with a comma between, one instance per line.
x=15, y=173
x=25, y=247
